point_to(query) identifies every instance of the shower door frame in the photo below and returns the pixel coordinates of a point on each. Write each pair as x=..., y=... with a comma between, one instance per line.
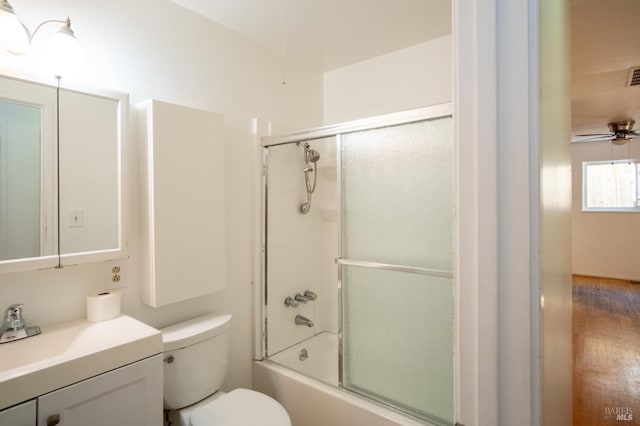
x=336, y=130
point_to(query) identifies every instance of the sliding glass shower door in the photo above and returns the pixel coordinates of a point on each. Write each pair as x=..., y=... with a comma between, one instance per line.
x=395, y=266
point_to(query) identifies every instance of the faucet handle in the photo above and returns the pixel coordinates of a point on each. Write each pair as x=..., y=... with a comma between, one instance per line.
x=13, y=316
x=310, y=295
x=290, y=301
x=14, y=312
x=301, y=298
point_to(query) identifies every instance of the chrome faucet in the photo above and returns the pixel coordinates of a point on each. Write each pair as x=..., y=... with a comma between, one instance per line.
x=300, y=320
x=14, y=327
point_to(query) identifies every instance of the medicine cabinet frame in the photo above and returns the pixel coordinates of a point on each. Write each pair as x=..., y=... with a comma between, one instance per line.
x=58, y=259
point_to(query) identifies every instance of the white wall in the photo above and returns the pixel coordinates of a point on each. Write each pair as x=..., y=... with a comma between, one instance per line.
x=414, y=77
x=604, y=243
x=156, y=49
x=290, y=249
x=301, y=248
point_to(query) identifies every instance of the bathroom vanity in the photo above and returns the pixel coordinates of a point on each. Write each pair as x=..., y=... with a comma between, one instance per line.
x=81, y=373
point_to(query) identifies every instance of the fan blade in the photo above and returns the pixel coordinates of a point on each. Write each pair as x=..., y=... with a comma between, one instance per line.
x=597, y=134
x=592, y=139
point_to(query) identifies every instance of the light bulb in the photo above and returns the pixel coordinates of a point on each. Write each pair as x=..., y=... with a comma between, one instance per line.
x=62, y=52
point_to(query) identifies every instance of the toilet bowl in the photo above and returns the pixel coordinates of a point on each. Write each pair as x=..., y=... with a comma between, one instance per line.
x=196, y=355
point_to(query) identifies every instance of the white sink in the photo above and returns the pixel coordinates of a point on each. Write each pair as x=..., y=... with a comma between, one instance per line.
x=68, y=353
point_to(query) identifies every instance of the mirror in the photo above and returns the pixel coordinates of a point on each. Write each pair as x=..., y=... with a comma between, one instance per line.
x=60, y=203
x=21, y=193
x=89, y=173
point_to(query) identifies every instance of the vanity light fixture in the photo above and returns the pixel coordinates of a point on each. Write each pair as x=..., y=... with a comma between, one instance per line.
x=14, y=36
x=62, y=51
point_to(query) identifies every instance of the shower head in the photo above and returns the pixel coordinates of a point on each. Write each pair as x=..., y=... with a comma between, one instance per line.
x=305, y=207
x=310, y=154
x=313, y=155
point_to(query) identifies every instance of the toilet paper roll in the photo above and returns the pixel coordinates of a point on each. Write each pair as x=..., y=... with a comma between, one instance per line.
x=103, y=306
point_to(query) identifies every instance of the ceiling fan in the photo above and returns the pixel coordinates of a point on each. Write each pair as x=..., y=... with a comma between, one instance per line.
x=621, y=133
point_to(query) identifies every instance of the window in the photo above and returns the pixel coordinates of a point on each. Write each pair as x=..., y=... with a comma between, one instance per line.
x=610, y=185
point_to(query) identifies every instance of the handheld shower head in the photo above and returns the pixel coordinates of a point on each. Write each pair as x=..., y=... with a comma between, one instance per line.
x=310, y=154
x=313, y=155
x=305, y=207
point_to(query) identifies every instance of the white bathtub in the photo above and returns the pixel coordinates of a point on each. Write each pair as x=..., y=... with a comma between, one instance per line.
x=308, y=389
x=321, y=362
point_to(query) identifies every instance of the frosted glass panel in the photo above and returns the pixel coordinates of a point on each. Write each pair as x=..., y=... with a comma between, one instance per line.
x=397, y=194
x=398, y=340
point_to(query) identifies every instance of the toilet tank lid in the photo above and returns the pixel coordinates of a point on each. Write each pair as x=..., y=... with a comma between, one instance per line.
x=195, y=330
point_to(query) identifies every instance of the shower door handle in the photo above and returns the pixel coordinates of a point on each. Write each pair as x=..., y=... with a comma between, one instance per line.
x=396, y=268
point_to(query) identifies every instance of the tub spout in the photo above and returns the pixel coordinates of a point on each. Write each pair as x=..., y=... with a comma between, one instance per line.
x=300, y=320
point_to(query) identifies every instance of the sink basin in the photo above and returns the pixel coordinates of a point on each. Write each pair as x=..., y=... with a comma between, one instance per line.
x=68, y=353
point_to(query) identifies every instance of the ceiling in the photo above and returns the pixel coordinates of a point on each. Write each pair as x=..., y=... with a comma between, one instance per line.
x=605, y=44
x=330, y=34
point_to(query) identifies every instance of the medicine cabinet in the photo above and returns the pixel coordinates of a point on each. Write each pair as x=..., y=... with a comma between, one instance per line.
x=60, y=174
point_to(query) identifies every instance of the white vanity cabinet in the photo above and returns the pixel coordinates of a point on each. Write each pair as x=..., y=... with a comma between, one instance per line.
x=83, y=373
x=20, y=415
x=127, y=396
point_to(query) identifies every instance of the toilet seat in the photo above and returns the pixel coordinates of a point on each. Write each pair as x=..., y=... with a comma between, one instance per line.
x=240, y=407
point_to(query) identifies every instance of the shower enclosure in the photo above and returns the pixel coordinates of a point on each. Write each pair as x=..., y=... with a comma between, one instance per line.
x=358, y=231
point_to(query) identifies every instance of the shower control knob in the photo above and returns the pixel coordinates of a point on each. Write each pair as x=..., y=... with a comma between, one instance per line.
x=290, y=302
x=300, y=298
x=310, y=295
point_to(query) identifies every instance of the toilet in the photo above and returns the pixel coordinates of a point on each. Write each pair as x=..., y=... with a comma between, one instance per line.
x=196, y=355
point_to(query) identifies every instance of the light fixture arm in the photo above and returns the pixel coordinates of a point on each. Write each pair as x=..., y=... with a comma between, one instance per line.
x=67, y=27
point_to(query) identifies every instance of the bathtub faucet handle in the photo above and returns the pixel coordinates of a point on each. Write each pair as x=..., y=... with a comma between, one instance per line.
x=302, y=299
x=310, y=295
x=289, y=301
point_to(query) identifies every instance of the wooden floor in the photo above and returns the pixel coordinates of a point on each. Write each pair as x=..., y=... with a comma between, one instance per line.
x=606, y=352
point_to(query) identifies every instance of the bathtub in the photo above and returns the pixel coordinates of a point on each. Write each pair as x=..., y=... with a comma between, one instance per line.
x=307, y=388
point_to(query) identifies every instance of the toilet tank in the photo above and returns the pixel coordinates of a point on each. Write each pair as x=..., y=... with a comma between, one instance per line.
x=196, y=355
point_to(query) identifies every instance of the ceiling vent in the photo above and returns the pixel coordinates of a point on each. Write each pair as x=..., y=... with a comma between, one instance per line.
x=634, y=76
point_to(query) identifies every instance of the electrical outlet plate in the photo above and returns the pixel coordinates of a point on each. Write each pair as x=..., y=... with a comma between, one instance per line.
x=115, y=274
x=76, y=218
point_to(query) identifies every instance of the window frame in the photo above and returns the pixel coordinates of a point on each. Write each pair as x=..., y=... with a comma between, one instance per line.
x=586, y=208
